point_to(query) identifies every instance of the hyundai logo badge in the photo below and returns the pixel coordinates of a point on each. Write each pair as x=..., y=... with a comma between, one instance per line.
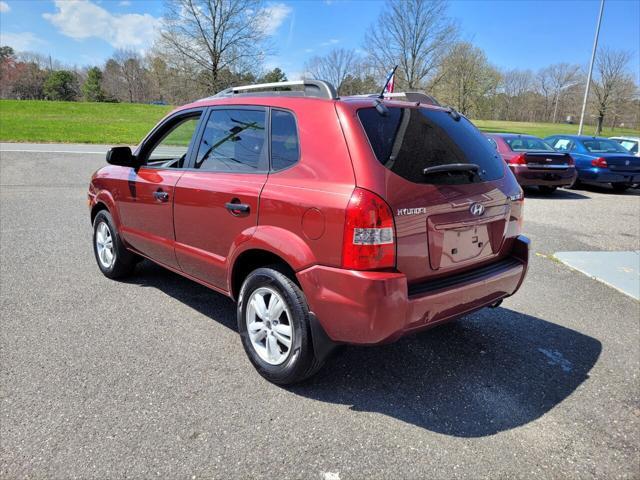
x=476, y=209
x=627, y=162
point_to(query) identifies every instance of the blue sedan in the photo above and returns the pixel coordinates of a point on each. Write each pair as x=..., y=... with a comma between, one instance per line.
x=599, y=160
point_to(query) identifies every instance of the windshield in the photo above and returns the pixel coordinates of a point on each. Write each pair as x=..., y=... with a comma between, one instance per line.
x=408, y=140
x=598, y=145
x=527, y=144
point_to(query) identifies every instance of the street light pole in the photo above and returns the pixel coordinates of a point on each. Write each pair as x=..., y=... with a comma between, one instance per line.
x=593, y=56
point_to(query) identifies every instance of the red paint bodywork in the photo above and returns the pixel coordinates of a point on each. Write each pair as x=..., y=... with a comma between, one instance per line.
x=298, y=214
x=529, y=177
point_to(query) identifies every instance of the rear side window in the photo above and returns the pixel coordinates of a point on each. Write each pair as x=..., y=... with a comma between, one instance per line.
x=234, y=140
x=408, y=140
x=285, y=148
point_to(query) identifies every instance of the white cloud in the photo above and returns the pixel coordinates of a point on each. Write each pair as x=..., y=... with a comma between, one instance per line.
x=273, y=15
x=4, y=7
x=21, y=41
x=331, y=41
x=124, y=3
x=80, y=19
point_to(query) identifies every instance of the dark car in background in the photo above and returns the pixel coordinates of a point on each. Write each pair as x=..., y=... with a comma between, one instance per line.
x=599, y=160
x=534, y=162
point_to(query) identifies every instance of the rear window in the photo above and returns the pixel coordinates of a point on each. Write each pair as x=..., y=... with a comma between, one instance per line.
x=527, y=144
x=408, y=140
x=603, y=146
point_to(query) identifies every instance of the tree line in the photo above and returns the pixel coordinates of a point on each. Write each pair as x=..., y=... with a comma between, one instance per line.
x=205, y=46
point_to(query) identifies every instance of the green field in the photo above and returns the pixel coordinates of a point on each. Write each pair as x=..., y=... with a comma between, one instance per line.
x=77, y=122
x=126, y=123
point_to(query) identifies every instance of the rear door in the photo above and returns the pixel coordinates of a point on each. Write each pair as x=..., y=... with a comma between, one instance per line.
x=449, y=220
x=216, y=200
x=146, y=204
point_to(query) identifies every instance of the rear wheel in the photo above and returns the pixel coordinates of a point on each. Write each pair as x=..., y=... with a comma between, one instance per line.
x=575, y=184
x=273, y=321
x=620, y=187
x=546, y=190
x=113, y=259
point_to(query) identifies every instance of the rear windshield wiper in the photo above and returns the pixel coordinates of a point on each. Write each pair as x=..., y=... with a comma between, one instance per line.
x=470, y=168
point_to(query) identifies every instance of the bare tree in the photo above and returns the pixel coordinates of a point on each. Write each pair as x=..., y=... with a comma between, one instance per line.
x=414, y=34
x=334, y=67
x=561, y=76
x=214, y=35
x=611, y=81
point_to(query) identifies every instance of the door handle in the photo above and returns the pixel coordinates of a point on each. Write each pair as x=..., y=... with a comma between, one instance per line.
x=237, y=208
x=161, y=196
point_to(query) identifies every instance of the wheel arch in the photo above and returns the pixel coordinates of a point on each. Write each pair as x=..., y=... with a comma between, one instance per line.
x=268, y=245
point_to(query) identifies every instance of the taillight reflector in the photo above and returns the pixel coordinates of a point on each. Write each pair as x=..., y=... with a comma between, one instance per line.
x=518, y=160
x=369, y=233
x=599, y=162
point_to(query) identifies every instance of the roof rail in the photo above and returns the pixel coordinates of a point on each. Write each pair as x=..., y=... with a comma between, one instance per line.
x=312, y=88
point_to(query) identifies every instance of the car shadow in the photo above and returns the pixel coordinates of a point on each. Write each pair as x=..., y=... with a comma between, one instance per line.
x=488, y=372
x=588, y=187
x=559, y=194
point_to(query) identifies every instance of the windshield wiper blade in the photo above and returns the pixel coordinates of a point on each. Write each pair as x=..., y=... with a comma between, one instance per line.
x=453, y=167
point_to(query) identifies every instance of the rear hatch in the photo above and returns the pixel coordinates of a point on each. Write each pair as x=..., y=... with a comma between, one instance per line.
x=448, y=189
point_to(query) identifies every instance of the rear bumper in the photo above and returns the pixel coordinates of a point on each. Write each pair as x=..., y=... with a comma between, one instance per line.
x=528, y=177
x=376, y=307
x=604, y=175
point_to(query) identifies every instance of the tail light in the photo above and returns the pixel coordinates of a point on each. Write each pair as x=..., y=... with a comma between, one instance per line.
x=570, y=160
x=518, y=160
x=599, y=162
x=369, y=233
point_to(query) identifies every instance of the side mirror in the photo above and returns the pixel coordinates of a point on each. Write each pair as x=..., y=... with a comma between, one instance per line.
x=122, y=156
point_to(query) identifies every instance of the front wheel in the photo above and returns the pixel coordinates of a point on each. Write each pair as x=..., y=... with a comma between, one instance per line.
x=273, y=321
x=620, y=187
x=113, y=259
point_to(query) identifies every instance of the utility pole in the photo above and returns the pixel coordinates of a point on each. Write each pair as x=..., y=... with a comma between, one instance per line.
x=593, y=57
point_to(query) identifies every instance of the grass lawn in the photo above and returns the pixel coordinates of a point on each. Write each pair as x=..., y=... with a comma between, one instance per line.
x=545, y=129
x=77, y=122
x=126, y=123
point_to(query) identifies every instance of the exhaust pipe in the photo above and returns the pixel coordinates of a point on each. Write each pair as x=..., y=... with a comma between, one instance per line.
x=496, y=304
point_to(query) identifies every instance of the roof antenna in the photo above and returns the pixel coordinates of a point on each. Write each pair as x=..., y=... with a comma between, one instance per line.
x=381, y=96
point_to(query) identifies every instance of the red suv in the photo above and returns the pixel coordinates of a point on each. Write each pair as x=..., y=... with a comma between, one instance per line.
x=329, y=220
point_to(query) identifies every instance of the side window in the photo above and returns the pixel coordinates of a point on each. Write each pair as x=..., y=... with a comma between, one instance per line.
x=562, y=144
x=285, y=148
x=234, y=140
x=170, y=149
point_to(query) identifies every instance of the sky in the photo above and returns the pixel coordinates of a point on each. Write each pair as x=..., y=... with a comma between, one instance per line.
x=514, y=34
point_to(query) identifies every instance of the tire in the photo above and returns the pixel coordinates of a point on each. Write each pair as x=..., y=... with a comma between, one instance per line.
x=546, y=190
x=279, y=364
x=575, y=184
x=620, y=187
x=120, y=263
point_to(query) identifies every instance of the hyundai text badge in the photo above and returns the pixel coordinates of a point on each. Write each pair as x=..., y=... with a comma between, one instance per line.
x=476, y=209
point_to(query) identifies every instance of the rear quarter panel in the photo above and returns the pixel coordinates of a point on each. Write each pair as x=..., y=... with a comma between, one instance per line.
x=308, y=200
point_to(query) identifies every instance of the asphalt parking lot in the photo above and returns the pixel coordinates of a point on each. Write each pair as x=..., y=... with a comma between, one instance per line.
x=147, y=378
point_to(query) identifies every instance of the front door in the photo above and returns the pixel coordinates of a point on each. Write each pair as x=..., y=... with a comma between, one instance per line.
x=216, y=200
x=146, y=211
